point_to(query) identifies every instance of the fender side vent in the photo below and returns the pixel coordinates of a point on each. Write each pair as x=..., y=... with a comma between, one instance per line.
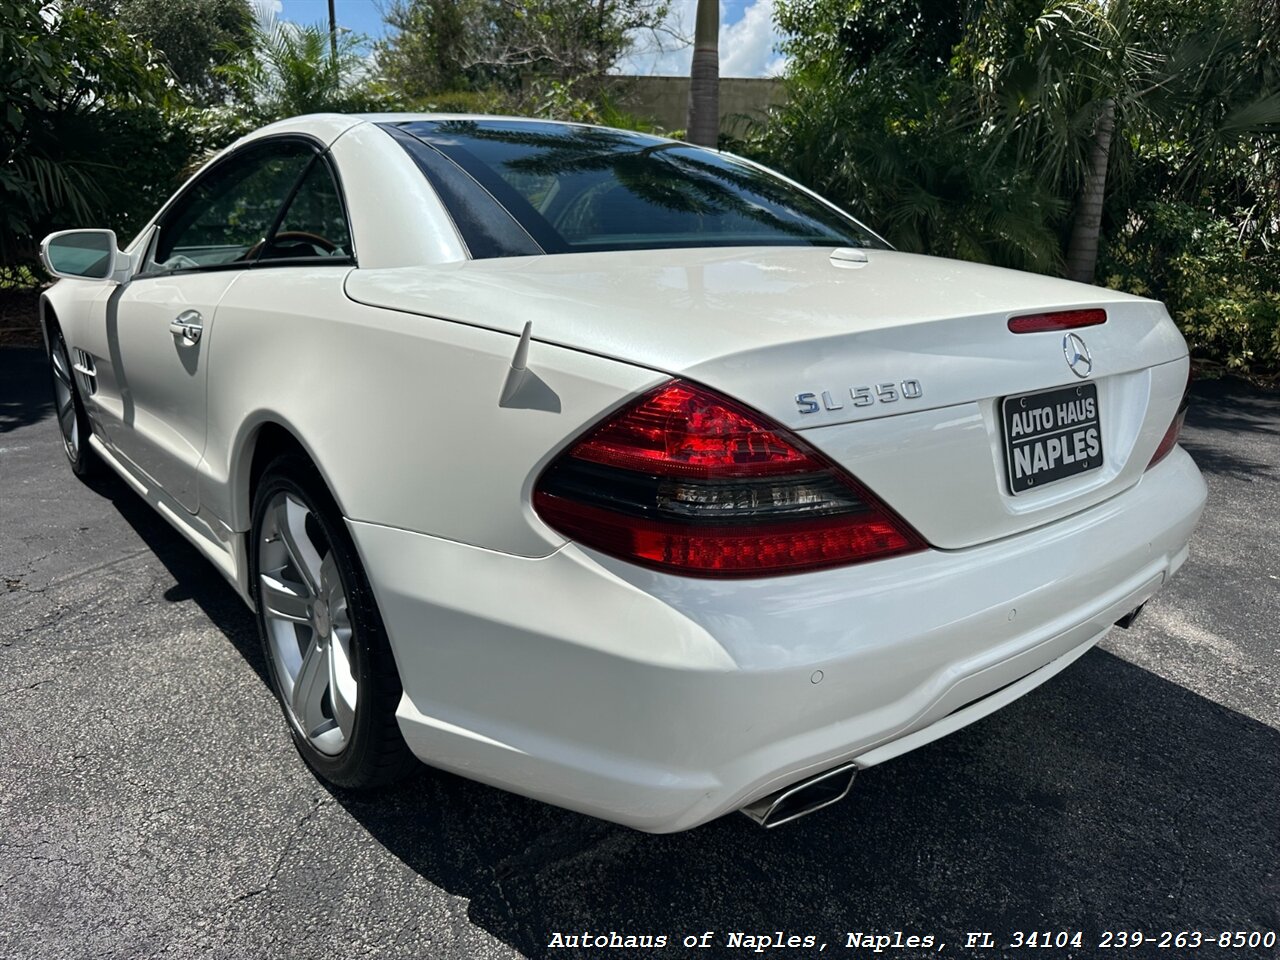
x=88, y=371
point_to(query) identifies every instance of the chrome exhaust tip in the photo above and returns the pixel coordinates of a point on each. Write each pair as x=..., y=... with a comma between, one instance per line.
x=799, y=799
x=1130, y=618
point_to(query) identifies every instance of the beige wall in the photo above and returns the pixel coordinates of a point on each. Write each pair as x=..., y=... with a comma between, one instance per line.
x=665, y=100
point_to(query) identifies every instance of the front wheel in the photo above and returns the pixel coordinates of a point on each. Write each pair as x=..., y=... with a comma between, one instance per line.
x=327, y=651
x=73, y=420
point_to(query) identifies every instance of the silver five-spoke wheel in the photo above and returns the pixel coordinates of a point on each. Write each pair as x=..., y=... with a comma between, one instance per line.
x=328, y=654
x=64, y=399
x=308, y=624
x=68, y=403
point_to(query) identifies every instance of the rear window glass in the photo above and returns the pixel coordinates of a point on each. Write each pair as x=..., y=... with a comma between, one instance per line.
x=575, y=188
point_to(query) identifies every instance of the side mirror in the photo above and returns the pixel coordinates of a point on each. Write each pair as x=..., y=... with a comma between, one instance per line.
x=85, y=254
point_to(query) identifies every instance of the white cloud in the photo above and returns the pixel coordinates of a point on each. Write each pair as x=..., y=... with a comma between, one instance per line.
x=746, y=46
x=267, y=11
x=666, y=53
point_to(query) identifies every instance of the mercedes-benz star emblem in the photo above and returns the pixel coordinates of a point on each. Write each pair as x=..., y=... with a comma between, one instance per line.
x=1077, y=355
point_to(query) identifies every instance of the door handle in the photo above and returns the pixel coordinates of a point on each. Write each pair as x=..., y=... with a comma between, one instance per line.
x=188, y=325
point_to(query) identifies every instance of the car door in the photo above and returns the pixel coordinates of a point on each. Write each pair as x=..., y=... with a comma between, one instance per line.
x=273, y=325
x=158, y=327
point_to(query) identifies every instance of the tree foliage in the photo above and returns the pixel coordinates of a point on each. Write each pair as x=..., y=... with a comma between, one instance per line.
x=427, y=52
x=1028, y=133
x=1225, y=296
x=902, y=36
x=85, y=103
x=879, y=120
x=289, y=70
x=108, y=103
x=193, y=37
x=448, y=46
x=1032, y=133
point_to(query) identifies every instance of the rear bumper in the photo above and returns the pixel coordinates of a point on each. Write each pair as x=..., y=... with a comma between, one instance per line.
x=662, y=702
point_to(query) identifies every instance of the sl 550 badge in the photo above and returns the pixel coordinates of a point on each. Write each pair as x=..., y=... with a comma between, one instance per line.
x=888, y=392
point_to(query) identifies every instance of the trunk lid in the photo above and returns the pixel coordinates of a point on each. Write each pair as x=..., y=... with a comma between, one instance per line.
x=893, y=364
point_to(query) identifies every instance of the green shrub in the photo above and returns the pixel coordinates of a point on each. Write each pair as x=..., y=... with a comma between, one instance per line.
x=83, y=135
x=1238, y=330
x=1224, y=296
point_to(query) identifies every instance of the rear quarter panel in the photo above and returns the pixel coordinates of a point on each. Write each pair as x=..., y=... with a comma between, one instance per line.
x=400, y=412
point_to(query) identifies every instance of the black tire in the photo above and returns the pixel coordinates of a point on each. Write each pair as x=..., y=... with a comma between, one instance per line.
x=374, y=753
x=73, y=421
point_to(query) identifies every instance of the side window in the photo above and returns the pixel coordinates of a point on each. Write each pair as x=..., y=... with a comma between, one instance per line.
x=315, y=225
x=226, y=216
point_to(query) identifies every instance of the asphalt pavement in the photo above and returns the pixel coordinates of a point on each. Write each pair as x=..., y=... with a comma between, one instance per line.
x=151, y=804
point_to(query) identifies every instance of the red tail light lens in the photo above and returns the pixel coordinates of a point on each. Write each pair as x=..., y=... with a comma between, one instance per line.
x=685, y=431
x=690, y=482
x=1057, y=320
x=1170, y=438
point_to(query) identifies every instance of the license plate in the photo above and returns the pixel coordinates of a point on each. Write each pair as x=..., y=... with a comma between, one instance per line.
x=1052, y=435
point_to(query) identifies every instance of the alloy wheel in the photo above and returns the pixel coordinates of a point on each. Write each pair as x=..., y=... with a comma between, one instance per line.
x=308, y=624
x=64, y=397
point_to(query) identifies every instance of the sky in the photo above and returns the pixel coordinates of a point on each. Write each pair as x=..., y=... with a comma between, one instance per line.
x=747, y=34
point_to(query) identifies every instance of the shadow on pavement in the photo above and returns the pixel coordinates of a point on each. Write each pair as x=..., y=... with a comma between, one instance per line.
x=196, y=578
x=1235, y=406
x=26, y=393
x=1249, y=414
x=1211, y=459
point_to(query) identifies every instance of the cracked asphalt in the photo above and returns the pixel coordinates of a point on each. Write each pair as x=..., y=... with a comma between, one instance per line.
x=152, y=805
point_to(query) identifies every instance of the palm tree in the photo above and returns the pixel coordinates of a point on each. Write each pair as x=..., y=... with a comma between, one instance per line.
x=1089, y=74
x=1056, y=93
x=1086, y=226
x=291, y=70
x=704, y=77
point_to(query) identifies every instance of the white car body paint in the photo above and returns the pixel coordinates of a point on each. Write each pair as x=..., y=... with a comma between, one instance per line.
x=547, y=668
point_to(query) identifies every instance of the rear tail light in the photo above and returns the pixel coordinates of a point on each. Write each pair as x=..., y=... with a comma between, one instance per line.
x=1057, y=320
x=1170, y=438
x=690, y=482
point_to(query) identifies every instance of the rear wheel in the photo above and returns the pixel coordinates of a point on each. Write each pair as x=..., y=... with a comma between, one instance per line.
x=73, y=421
x=326, y=649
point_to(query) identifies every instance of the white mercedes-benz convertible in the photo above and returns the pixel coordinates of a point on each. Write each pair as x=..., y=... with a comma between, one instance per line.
x=616, y=472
